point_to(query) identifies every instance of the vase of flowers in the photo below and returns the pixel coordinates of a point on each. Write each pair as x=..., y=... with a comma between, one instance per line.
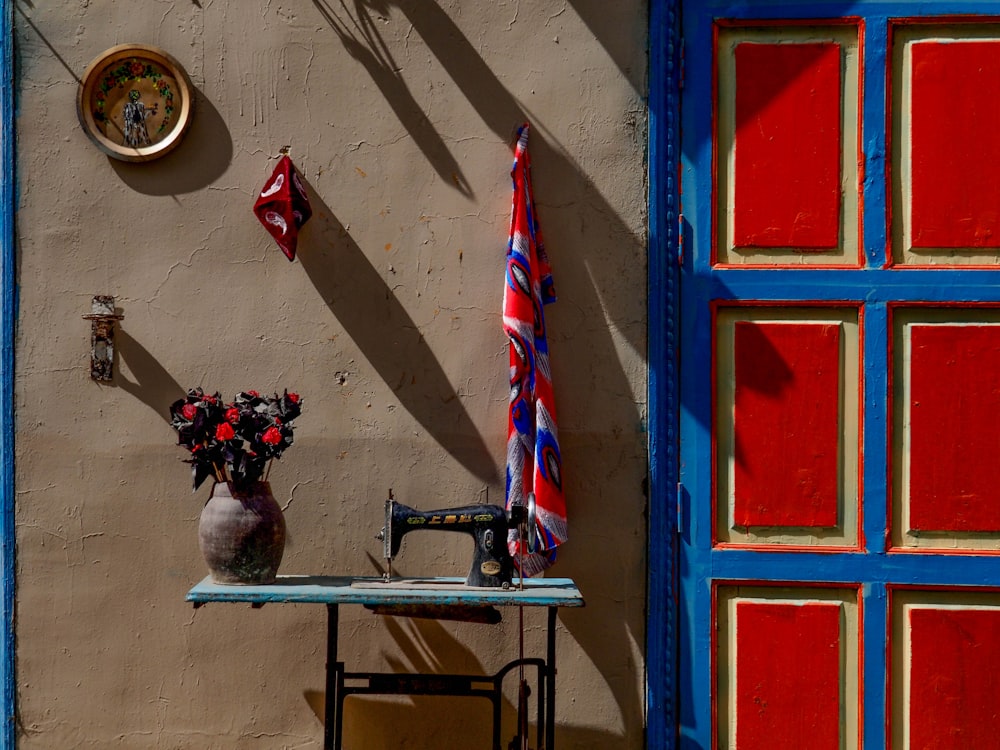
x=242, y=530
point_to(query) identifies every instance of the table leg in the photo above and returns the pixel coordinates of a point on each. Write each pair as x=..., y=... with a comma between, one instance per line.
x=331, y=719
x=550, y=683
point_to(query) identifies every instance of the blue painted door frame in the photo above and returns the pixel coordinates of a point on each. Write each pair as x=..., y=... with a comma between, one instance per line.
x=678, y=249
x=664, y=293
x=8, y=300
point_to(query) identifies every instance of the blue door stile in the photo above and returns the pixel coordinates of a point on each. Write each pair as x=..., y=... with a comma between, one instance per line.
x=663, y=295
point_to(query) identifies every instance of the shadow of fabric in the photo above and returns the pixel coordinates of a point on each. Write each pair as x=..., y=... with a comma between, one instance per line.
x=388, y=337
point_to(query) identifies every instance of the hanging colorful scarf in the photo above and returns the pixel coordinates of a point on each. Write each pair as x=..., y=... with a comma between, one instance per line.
x=533, y=459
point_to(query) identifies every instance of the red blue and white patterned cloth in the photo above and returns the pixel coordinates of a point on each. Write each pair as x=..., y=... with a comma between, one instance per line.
x=533, y=459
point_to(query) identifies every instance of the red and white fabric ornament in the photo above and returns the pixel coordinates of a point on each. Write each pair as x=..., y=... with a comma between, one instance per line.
x=283, y=206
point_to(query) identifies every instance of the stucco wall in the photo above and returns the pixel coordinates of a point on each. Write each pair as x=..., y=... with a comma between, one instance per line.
x=400, y=115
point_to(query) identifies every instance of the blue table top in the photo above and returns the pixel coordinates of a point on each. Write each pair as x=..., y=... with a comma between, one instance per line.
x=538, y=592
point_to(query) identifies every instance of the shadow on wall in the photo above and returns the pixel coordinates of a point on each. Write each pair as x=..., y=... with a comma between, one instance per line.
x=428, y=648
x=361, y=39
x=603, y=19
x=502, y=113
x=587, y=240
x=152, y=384
x=200, y=158
x=390, y=340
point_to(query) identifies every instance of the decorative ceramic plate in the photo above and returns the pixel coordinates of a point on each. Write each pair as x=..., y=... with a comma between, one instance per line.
x=135, y=102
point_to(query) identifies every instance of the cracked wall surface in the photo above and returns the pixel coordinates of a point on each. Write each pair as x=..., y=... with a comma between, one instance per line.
x=400, y=115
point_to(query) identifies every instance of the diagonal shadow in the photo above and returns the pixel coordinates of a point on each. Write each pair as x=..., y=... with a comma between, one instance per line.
x=361, y=39
x=46, y=42
x=501, y=112
x=152, y=384
x=388, y=337
x=426, y=647
x=605, y=21
x=202, y=156
x=570, y=193
x=563, y=179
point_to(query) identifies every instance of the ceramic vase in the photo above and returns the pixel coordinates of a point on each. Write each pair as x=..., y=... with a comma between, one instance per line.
x=242, y=534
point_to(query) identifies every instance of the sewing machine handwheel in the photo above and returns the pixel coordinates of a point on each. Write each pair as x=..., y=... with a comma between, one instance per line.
x=531, y=535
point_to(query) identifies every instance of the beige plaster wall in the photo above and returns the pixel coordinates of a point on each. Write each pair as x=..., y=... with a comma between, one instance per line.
x=400, y=114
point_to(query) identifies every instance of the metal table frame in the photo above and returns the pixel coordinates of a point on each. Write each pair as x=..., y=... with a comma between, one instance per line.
x=442, y=593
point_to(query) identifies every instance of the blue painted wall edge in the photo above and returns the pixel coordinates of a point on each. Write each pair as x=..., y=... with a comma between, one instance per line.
x=8, y=302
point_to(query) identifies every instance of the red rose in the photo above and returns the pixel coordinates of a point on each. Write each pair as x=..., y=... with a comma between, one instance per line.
x=232, y=415
x=294, y=398
x=271, y=436
x=137, y=69
x=253, y=394
x=188, y=411
x=225, y=431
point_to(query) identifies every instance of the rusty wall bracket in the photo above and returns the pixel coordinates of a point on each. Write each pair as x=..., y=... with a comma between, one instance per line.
x=102, y=337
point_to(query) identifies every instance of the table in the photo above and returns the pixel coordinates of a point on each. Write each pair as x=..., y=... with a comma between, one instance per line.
x=444, y=597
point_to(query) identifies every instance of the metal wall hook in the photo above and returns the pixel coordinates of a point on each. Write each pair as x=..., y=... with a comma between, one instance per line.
x=102, y=337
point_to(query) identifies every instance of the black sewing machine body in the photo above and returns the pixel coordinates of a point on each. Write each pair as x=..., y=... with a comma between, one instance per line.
x=492, y=564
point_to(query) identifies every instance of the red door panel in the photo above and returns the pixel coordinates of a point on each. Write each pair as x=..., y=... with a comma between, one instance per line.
x=788, y=144
x=955, y=105
x=954, y=447
x=787, y=424
x=787, y=676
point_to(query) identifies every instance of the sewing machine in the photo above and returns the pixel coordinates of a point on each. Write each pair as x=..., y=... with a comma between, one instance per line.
x=492, y=564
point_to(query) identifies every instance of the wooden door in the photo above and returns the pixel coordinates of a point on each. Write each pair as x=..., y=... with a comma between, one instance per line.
x=838, y=514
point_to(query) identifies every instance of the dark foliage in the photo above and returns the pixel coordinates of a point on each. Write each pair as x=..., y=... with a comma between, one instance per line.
x=234, y=442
